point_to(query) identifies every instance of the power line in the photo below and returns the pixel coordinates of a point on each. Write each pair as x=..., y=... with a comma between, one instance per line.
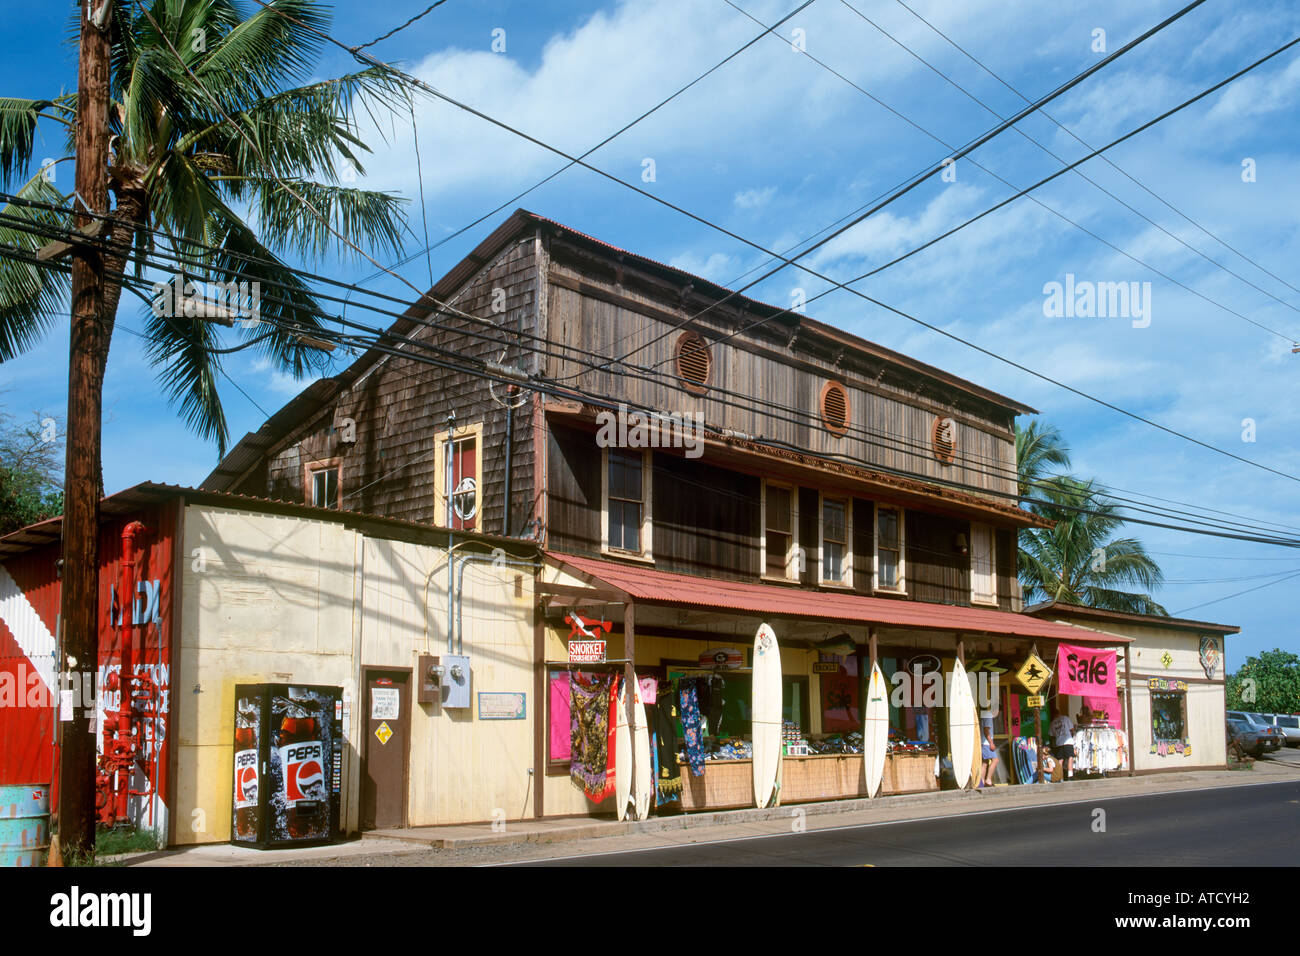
x=917, y=448
x=608, y=139
x=1227, y=597
x=1107, y=160
x=429, y=9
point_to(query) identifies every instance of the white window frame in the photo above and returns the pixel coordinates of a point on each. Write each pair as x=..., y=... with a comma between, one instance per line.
x=312, y=469
x=975, y=597
x=901, y=588
x=792, y=569
x=847, y=582
x=647, y=497
x=441, y=491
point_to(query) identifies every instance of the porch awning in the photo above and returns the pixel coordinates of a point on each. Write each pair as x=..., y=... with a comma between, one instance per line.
x=650, y=586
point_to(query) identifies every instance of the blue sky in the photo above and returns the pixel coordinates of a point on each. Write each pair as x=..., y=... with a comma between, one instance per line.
x=775, y=147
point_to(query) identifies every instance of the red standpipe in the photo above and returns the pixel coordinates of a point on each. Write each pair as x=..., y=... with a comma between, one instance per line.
x=121, y=742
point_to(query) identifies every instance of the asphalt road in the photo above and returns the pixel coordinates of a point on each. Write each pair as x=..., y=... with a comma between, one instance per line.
x=1235, y=826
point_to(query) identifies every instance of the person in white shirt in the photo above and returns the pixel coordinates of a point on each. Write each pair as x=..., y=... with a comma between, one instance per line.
x=1062, y=731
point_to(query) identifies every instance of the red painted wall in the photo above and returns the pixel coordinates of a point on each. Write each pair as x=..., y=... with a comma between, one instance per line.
x=28, y=753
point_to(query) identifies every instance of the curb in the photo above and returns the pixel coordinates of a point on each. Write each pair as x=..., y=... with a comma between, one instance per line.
x=708, y=819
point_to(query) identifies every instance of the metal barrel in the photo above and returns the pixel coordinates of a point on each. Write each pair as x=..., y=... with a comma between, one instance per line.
x=24, y=824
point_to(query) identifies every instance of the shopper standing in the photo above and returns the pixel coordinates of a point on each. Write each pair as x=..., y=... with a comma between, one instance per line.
x=1062, y=731
x=990, y=749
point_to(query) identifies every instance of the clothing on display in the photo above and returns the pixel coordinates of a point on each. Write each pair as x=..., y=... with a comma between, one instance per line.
x=688, y=694
x=1100, y=749
x=589, y=742
x=668, y=773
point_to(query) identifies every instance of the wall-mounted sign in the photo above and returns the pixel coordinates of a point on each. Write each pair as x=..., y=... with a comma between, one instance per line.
x=498, y=706
x=728, y=658
x=385, y=703
x=1167, y=659
x=586, y=627
x=586, y=652
x=1034, y=673
x=826, y=667
x=1160, y=683
x=1209, y=654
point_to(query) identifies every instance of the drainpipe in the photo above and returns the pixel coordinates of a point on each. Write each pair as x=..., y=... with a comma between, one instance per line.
x=510, y=447
x=451, y=561
x=460, y=585
x=126, y=602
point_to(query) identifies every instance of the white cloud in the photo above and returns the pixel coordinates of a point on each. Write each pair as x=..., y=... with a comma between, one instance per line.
x=751, y=199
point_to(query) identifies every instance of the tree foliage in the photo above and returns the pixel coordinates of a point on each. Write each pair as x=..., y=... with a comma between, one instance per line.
x=1267, y=684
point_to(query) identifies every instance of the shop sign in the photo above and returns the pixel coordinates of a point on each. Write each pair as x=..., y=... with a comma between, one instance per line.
x=586, y=652
x=384, y=732
x=1034, y=674
x=501, y=706
x=1086, y=671
x=826, y=667
x=727, y=658
x=1036, y=700
x=1160, y=683
x=1209, y=655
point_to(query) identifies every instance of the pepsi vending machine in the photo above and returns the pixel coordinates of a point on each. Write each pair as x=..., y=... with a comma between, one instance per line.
x=288, y=765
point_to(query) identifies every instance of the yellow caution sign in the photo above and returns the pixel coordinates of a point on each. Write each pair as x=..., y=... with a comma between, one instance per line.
x=1034, y=674
x=383, y=732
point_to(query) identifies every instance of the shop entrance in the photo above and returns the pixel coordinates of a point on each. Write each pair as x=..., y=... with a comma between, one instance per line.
x=386, y=751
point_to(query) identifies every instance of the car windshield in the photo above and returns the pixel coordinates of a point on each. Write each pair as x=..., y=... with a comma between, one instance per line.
x=1292, y=722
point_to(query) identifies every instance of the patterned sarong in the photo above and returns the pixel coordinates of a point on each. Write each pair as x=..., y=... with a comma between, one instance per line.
x=691, y=727
x=590, y=738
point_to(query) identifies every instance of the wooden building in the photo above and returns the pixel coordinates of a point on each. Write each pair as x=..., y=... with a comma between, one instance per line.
x=650, y=430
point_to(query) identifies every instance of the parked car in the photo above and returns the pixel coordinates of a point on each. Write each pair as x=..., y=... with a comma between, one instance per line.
x=1272, y=737
x=1289, y=724
x=1251, y=738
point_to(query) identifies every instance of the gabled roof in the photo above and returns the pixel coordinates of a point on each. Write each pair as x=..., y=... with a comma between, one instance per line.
x=320, y=394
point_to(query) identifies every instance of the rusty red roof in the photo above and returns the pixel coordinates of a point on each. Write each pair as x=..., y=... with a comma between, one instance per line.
x=684, y=590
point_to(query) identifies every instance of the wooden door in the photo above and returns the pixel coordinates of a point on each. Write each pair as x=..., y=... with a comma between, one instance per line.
x=387, y=749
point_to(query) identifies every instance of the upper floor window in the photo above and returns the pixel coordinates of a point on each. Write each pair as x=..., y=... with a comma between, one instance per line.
x=459, y=489
x=837, y=533
x=322, y=483
x=626, y=506
x=889, y=549
x=780, y=544
x=983, y=567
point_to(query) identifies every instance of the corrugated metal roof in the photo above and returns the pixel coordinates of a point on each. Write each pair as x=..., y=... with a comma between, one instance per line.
x=682, y=590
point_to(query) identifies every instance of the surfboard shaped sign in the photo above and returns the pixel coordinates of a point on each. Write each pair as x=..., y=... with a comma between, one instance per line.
x=766, y=709
x=875, y=744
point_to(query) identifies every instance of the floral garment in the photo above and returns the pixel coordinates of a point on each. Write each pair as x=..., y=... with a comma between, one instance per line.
x=589, y=706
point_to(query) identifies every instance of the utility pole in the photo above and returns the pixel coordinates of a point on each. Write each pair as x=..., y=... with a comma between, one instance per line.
x=79, y=615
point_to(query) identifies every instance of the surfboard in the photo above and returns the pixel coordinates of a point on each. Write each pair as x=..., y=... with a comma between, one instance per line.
x=875, y=737
x=642, y=777
x=766, y=709
x=961, y=725
x=622, y=756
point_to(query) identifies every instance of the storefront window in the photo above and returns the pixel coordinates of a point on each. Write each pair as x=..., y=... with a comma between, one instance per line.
x=1168, y=717
x=840, y=696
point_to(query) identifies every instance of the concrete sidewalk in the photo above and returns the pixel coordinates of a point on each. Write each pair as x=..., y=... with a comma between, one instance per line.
x=672, y=830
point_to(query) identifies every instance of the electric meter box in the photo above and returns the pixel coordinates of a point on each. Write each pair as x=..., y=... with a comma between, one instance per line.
x=443, y=680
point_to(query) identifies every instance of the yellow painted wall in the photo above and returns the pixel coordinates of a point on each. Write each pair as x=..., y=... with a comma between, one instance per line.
x=462, y=769
x=264, y=599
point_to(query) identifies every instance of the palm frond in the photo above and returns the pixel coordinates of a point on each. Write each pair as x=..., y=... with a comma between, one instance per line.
x=18, y=119
x=30, y=295
x=368, y=218
x=254, y=57
x=179, y=348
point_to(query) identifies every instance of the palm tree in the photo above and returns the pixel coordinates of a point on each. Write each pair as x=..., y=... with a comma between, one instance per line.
x=1078, y=561
x=219, y=142
x=1038, y=445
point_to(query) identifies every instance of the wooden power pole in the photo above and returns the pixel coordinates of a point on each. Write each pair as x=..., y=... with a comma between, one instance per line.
x=79, y=612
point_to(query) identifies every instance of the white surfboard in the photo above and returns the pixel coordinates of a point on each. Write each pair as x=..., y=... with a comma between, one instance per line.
x=875, y=737
x=622, y=757
x=766, y=731
x=961, y=725
x=642, y=773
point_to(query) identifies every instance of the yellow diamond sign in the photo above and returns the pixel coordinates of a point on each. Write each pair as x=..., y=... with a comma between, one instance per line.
x=383, y=732
x=1034, y=674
